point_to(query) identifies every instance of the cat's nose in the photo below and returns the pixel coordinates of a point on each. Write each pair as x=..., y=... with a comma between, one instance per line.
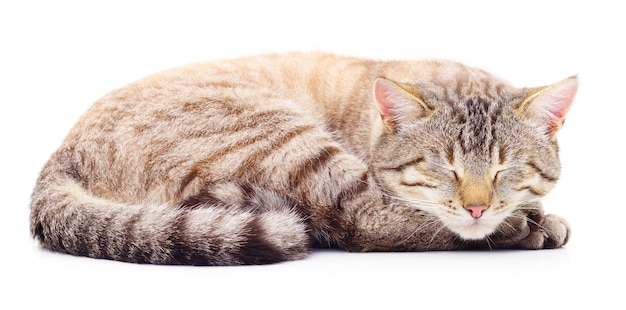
x=476, y=210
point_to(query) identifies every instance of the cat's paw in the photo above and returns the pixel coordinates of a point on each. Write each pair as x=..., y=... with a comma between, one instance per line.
x=553, y=232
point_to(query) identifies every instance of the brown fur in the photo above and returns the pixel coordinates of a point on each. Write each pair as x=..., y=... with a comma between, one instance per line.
x=252, y=160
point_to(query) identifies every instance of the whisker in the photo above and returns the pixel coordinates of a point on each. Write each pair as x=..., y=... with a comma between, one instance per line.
x=435, y=235
x=413, y=202
x=426, y=223
x=545, y=229
x=489, y=242
x=506, y=223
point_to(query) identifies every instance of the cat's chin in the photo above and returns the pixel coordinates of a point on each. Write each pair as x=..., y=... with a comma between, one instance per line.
x=475, y=231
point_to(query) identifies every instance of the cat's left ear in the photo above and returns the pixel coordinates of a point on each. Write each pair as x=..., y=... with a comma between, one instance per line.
x=547, y=106
x=398, y=103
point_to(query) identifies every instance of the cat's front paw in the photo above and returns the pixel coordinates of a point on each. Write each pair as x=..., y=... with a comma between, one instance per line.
x=552, y=232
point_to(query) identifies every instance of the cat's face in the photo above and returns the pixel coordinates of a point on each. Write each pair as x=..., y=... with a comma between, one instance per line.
x=471, y=161
x=470, y=188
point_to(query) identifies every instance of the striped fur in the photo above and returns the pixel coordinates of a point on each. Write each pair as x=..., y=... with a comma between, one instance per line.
x=255, y=160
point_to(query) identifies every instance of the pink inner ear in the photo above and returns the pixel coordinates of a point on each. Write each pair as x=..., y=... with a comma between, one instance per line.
x=383, y=91
x=564, y=100
x=551, y=106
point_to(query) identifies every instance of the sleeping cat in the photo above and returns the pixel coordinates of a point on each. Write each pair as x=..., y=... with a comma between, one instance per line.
x=256, y=160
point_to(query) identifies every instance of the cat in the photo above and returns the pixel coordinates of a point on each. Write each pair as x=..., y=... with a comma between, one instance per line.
x=261, y=159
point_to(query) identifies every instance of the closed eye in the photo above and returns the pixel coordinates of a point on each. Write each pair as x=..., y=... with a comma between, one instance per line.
x=500, y=173
x=418, y=183
x=402, y=167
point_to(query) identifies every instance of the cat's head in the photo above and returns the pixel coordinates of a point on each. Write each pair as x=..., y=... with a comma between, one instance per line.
x=471, y=150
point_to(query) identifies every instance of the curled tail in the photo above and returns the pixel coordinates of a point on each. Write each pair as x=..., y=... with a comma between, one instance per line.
x=65, y=217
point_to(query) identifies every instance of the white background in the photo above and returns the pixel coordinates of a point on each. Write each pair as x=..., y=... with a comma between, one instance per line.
x=57, y=57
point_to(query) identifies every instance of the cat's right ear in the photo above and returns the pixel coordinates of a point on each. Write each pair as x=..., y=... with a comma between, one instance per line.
x=398, y=103
x=547, y=106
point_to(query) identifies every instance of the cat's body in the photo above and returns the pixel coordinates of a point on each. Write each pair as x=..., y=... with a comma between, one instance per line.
x=253, y=160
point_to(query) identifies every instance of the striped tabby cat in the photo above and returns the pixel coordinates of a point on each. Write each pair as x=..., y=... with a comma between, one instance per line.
x=256, y=160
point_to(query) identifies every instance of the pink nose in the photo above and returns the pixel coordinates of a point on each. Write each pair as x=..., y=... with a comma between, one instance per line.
x=476, y=210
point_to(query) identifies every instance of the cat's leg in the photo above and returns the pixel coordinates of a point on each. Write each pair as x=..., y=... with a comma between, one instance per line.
x=528, y=228
x=388, y=227
x=381, y=226
x=553, y=232
x=547, y=231
x=359, y=218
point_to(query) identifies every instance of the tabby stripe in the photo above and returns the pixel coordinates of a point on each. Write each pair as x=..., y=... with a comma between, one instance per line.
x=125, y=252
x=541, y=173
x=39, y=231
x=224, y=106
x=312, y=165
x=38, y=228
x=257, y=250
x=70, y=241
x=43, y=223
x=200, y=200
x=501, y=155
x=248, y=193
x=494, y=116
x=183, y=250
x=177, y=238
x=486, y=88
x=254, y=159
x=97, y=230
x=500, y=90
x=247, y=141
x=450, y=154
x=79, y=241
x=187, y=179
x=268, y=119
x=492, y=139
x=532, y=190
x=353, y=190
x=458, y=90
x=229, y=149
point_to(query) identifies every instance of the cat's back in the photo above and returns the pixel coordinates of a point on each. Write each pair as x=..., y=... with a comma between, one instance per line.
x=197, y=90
x=137, y=141
x=276, y=73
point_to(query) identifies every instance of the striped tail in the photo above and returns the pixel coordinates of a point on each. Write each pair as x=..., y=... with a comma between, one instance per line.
x=67, y=218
